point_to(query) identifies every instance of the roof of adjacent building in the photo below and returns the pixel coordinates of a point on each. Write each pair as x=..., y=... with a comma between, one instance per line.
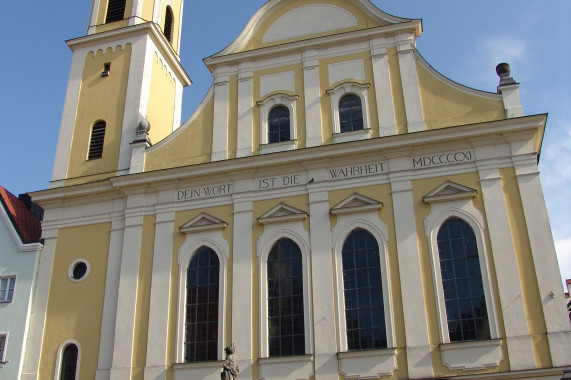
x=27, y=225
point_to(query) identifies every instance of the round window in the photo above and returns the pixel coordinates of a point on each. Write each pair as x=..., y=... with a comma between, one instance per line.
x=78, y=270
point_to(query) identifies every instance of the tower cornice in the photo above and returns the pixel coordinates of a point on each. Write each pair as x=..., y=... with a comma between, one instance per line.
x=130, y=33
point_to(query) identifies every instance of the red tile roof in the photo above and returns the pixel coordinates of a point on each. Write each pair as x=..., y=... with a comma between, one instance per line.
x=29, y=227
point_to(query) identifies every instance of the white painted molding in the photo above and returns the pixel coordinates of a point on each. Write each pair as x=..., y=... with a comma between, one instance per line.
x=214, y=240
x=512, y=102
x=282, y=213
x=245, y=122
x=273, y=232
x=410, y=85
x=449, y=191
x=202, y=371
x=367, y=364
x=472, y=355
x=337, y=93
x=356, y=203
x=347, y=70
x=277, y=82
x=289, y=367
x=383, y=89
x=203, y=222
x=59, y=358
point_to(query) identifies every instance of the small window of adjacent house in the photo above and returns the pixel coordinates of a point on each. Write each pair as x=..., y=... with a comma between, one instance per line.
x=168, y=29
x=7, y=285
x=350, y=113
x=3, y=338
x=115, y=10
x=96, y=142
x=278, y=125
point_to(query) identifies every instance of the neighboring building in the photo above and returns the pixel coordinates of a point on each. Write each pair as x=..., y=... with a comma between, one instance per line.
x=335, y=208
x=20, y=248
x=567, y=296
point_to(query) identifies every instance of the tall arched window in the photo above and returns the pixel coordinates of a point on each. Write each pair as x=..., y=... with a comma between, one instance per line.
x=115, y=10
x=363, y=290
x=278, y=124
x=464, y=297
x=286, y=332
x=350, y=113
x=168, y=29
x=202, y=297
x=96, y=141
x=69, y=362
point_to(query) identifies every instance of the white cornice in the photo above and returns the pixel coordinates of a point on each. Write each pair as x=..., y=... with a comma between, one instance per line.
x=528, y=128
x=150, y=29
x=232, y=57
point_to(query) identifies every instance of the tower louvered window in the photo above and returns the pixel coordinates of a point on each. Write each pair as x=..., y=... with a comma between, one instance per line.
x=96, y=142
x=168, y=24
x=115, y=10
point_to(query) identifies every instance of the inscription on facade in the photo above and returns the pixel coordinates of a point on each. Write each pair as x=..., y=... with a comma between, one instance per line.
x=357, y=170
x=442, y=159
x=279, y=181
x=205, y=192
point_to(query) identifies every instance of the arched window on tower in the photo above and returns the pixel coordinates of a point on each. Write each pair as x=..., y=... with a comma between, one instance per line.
x=464, y=297
x=350, y=113
x=286, y=331
x=168, y=28
x=202, y=297
x=115, y=10
x=96, y=140
x=363, y=291
x=279, y=125
x=69, y=356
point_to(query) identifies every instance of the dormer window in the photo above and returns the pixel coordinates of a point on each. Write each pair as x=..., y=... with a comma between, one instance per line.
x=168, y=28
x=115, y=11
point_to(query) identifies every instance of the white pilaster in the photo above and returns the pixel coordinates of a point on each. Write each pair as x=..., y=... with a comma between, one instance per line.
x=244, y=146
x=220, y=122
x=177, y=105
x=519, y=344
x=242, y=278
x=136, y=14
x=128, y=284
x=137, y=96
x=30, y=370
x=545, y=262
x=68, y=118
x=138, y=156
x=107, y=339
x=418, y=354
x=156, y=364
x=410, y=86
x=322, y=276
x=512, y=102
x=313, y=132
x=383, y=91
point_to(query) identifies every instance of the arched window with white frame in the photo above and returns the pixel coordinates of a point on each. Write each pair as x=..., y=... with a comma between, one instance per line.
x=350, y=113
x=68, y=360
x=278, y=123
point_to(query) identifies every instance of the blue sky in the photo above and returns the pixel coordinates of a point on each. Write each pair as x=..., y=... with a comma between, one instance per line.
x=463, y=40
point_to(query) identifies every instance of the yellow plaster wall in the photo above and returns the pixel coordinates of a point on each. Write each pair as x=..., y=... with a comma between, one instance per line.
x=419, y=189
x=161, y=101
x=100, y=98
x=75, y=308
x=327, y=118
x=363, y=22
x=142, y=306
x=190, y=146
x=300, y=103
x=446, y=106
x=526, y=268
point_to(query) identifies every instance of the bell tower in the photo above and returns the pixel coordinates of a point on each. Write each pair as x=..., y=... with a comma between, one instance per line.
x=125, y=72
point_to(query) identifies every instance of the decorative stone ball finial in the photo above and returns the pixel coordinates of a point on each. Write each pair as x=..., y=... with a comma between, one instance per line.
x=144, y=127
x=503, y=71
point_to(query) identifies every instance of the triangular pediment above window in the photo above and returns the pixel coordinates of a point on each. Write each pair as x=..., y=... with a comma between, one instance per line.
x=356, y=203
x=449, y=191
x=282, y=213
x=203, y=222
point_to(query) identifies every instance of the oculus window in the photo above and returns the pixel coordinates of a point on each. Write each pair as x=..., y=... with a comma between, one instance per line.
x=286, y=332
x=202, y=298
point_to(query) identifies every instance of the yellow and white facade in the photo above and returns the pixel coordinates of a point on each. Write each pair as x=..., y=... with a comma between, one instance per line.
x=428, y=150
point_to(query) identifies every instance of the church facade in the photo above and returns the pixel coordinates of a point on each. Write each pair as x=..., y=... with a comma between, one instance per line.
x=334, y=209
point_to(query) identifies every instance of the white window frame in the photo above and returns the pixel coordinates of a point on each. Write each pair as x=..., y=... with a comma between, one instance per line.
x=8, y=277
x=347, y=223
x=4, y=334
x=336, y=94
x=215, y=241
x=465, y=210
x=266, y=106
x=272, y=233
x=59, y=358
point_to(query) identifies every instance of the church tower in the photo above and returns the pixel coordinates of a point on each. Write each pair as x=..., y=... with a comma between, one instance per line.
x=124, y=91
